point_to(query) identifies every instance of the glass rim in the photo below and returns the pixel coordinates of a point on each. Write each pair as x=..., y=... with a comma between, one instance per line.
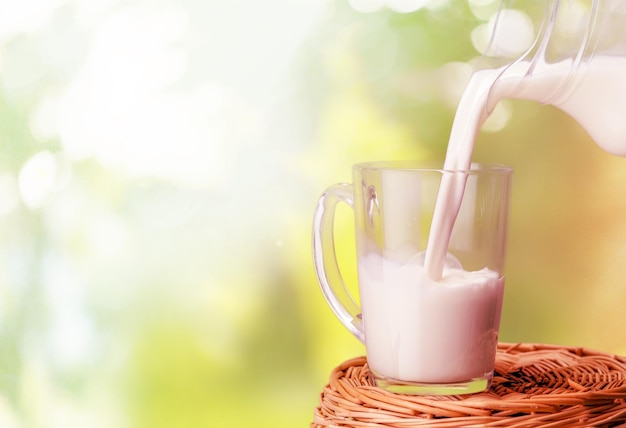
x=431, y=166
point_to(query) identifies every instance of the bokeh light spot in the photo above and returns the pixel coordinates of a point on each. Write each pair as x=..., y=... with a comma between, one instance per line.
x=499, y=117
x=406, y=6
x=367, y=6
x=507, y=36
x=39, y=177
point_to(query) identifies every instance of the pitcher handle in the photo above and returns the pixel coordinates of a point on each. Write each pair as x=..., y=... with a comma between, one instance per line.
x=329, y=277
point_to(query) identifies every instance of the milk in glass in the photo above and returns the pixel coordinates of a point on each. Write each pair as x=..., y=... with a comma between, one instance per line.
x=429, y=331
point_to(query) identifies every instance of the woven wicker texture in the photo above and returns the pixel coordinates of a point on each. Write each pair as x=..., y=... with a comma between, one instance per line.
x=534, y=385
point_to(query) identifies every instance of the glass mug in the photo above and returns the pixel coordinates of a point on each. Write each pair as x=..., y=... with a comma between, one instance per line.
x=422, y=336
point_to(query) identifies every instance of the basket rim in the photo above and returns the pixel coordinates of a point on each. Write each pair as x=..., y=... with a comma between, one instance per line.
x=534, y=383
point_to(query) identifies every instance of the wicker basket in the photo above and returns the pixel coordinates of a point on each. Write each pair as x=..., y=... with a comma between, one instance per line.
x=534, y=385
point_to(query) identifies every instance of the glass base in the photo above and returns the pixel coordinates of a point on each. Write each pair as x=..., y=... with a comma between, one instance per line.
x=471, y=386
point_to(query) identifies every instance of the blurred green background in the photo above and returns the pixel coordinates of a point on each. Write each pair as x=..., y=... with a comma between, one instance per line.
x=159, y=165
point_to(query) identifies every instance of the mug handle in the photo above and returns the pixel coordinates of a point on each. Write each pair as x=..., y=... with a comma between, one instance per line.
x=325, y=260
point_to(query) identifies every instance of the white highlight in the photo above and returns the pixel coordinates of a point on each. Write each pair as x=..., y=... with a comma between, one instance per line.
x=512, y=37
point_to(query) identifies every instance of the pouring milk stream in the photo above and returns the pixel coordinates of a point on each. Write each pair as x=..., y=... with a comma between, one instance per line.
x=591, y=89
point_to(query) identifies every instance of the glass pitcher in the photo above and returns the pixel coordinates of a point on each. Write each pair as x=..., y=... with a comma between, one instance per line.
x=577, y=63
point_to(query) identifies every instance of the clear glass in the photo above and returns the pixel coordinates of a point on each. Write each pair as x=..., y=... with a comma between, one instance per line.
x=421, y=336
